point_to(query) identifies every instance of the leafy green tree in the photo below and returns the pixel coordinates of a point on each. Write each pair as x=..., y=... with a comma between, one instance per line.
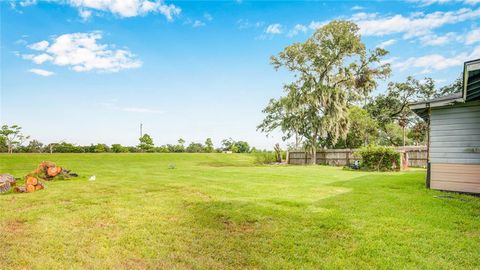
x=242, y=147
x=65, y=147
x=133, y=149
x=288, y=115
x=393, y=107
x=209, y=148
x=181, y=142
x=181, y=145
x=195, y=148
x=392, y=135
x=89, y=148
x=146, y=143
x=455, y=87
x=331, y=69
x=3, y=144
x=363, y=129
x=101, y=148
x=13, y=136
x=35, y=146
x=235, y=146
x=118, y=148
x=418, y=132
x=227, y=144
x=162, y=149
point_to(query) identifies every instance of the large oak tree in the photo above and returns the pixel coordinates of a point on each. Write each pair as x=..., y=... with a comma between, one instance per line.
x=331, y=69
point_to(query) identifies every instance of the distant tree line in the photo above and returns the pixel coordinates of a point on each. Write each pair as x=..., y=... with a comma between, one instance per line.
x=13, y=140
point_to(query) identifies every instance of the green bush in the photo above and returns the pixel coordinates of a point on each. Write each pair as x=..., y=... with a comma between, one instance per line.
x=264, y=157
x=378, y=158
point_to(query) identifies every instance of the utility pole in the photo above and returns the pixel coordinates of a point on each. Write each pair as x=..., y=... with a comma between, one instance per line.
x=141, y=130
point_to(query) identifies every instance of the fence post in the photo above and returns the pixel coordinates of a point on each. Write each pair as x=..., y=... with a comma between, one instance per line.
x=405, y=161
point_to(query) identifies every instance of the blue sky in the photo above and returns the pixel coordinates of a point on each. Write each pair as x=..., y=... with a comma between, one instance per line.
x=90, y=71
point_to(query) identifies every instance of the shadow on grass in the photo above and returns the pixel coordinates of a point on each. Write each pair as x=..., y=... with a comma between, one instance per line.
x=386, y=220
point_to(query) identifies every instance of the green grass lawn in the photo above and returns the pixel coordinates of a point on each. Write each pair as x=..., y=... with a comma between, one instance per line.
x=219, y=211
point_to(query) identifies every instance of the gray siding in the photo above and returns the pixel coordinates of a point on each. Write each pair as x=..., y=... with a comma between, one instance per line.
x=454, y=132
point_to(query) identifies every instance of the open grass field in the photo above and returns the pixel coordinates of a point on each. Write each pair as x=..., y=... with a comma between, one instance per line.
x=218, y=211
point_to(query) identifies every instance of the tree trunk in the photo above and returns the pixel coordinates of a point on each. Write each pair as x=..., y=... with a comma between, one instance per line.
x=278, y=153
x=313, y=160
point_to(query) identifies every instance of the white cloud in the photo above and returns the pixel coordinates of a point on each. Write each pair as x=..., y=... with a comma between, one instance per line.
x=121, y=8
x=314, y=25
x=416, y=24
x=39, y=46
x=85, y=13
x=389, y=60
x=245, y=24
x=431, y=2
x=431, y=62
x=208, y=16
x=21, y=42
x=198, y=23
x=26, y=3
x=473, y=36
x=386, y=43
x=297, y=29
x=41, y=58
x=81, y=52
x=41, y=72
x=274, y=29
x=357, y=7
x=435, y=40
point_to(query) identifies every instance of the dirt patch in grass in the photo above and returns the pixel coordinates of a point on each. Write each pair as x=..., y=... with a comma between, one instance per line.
x=473, y=234
x=134, y=264
x=239, y=227
x=16, y=226
x=188, y=192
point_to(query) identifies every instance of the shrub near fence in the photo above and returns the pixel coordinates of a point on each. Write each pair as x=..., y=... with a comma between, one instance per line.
x=379, y=158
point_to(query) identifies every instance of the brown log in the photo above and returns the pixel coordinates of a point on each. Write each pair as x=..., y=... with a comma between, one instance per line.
x=43, y=167
x=53, y=171
x=39, y=186
x=31, y=180
x=20, y=189
x=30, y=188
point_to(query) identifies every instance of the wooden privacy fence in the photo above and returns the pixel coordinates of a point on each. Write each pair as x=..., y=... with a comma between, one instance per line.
x=416, y=156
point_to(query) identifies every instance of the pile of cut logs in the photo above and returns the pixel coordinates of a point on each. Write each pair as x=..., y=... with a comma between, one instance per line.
x=46, y=171
x=32, y=184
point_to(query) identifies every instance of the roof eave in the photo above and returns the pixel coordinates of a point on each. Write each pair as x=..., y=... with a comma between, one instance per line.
x=441, y=103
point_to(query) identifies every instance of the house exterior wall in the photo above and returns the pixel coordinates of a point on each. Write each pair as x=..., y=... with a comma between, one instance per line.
x=455, y=147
